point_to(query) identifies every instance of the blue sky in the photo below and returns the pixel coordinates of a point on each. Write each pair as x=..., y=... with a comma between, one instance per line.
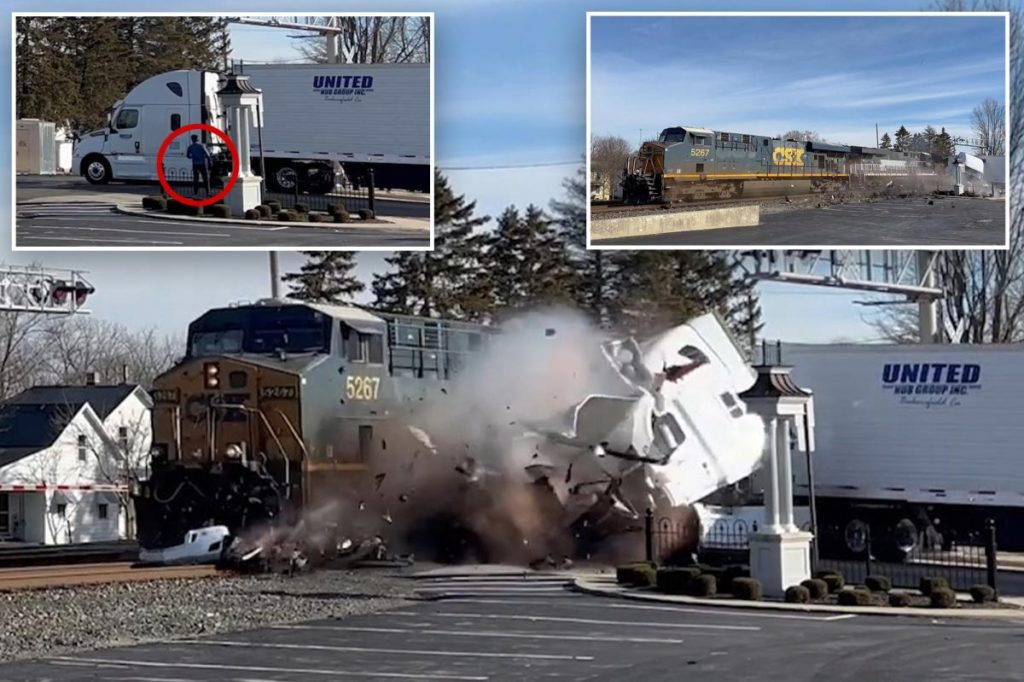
x=510, y=90
x=838, y=76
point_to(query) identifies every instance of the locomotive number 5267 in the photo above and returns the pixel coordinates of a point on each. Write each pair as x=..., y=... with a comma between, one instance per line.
x=362, y=388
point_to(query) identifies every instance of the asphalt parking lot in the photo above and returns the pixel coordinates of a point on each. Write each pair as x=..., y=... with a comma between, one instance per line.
x=67, y=212
x=514, y=629
x=947, y=221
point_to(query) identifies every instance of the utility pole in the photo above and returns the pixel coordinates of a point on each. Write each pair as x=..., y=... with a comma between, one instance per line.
x=876, y=136
x=275, y=276
x=927, y=306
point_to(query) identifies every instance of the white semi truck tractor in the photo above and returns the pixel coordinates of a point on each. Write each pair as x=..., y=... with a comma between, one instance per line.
x=318, y=120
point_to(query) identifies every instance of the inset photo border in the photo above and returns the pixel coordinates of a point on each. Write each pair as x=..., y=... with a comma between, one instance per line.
x=207, y=131
x=798, y=130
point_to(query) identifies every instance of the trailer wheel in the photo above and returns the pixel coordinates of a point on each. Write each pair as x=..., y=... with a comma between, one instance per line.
x=899, y=542
x=284, y=179
x=96, y=170
x=855, y=536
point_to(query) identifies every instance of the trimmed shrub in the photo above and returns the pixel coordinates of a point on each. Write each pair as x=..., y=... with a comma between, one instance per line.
x=639, y=574
x=854, y=597
x=982, y=593
x=703, y=585
x=285, y=216
x=252, y=214
x=314, y=217
x=798, y=594
x=220, y=211
x=156, y=203
x=342, y=216
x=942, y=597
x=265, y=211
x=175, y=207
x=302, y=208
x=899, y=599
x=748, y=589
x=817, y=588
x=731, y=573
x=366, y=214
x=676, y=580
x=274, y=206
x=878, y=583
x=337, y=208
x=834, y=582
x=930, y=583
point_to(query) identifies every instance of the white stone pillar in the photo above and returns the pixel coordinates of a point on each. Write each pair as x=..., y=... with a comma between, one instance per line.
x=786, y=476
x=772, y=491
x=244, y=156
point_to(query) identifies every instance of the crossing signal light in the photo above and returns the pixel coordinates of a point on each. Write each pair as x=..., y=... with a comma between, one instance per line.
x=63, y=290
x=211, y=372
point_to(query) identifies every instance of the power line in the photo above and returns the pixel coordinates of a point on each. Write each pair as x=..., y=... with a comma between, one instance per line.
x=512, y=166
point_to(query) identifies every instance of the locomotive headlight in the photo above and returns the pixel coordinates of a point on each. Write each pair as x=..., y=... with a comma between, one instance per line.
x=233, y=451
x=211, y=372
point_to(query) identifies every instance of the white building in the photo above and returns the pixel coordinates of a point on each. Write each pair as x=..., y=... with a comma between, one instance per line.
x=67, y=456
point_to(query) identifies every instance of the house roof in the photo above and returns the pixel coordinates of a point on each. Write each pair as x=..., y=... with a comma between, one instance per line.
x=32, y=420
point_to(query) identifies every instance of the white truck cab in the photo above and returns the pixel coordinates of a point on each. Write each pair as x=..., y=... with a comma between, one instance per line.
x=127, y=149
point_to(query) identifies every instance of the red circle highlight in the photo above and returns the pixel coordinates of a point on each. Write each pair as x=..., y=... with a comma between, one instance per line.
x=234, y=165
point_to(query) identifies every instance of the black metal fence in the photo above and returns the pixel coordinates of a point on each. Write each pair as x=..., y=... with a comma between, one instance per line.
x=965, y=563
x=354, y=198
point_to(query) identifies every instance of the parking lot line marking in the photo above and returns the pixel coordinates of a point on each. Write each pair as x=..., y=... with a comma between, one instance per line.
x=471, y=633
x=376, y=650
x=842, y=616
x=650, y=607
x=560, y=619
x=334, y=673
x=134, y=242
x=68, y=228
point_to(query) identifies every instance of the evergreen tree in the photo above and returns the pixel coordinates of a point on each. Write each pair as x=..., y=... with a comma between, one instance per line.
x=592, y=272
x=942, y=146
x=886, y=141
x=326, y=277
x=665, y=288
x=443, y=282
x=902, y=142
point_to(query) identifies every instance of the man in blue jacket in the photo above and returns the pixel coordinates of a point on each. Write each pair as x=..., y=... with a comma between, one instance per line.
x=200, y=164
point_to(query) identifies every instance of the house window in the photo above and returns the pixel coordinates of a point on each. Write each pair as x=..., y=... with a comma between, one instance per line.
x=83, y=448
x=122, y=438
x=5, y=514
x=102, y=511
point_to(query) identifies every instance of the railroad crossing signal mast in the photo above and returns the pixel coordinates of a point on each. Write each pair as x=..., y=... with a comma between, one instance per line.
x=50, y=291
x=910, y=274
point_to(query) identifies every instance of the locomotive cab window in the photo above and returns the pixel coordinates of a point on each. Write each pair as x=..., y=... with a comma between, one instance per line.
x=352, y=344
x=671, y=135
x=723, y=137
x=375, y=348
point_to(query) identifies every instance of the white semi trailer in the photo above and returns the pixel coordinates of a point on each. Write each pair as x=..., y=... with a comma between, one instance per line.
x=316, y=119
x=914, y=439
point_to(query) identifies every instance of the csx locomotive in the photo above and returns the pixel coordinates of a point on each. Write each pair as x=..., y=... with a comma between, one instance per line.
x=694, y=164
x=281, y=404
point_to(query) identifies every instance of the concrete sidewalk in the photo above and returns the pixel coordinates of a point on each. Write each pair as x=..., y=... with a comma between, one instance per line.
x=607, y=587
x=388, y=224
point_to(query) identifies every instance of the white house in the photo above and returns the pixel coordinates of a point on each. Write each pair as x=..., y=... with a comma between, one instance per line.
x=67, y=457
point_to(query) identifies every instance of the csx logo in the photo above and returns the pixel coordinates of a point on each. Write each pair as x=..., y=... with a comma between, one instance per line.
x=788, y=156
x=699, y=152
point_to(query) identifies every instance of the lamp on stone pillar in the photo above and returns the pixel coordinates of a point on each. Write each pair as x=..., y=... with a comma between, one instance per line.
x=240, y=101
x=779, y=551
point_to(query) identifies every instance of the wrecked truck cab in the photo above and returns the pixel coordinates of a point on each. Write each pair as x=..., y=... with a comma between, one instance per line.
x=678, y=415
x=200, y=546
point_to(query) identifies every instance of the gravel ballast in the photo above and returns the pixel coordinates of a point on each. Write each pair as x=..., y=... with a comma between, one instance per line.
x=61, y=620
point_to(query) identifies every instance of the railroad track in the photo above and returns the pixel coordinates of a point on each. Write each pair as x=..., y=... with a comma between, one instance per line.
x=17, y=556
x=37, y=577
